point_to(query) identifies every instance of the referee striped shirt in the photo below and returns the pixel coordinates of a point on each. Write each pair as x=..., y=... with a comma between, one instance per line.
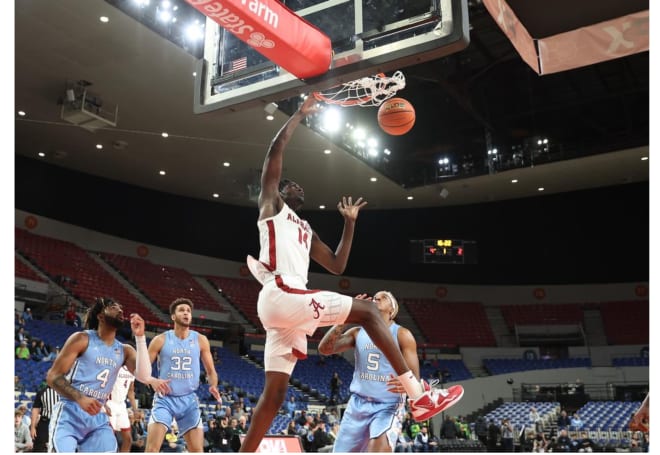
x=45, y=400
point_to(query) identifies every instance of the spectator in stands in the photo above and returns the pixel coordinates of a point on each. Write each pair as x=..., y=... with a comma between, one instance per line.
x=576, y=421
x=333, y=417
x=481, y=430
x=463, y=428
x=225, y=435
x=449, y=430
x=494, y=432
x=22, y=335
x=40, y=352
x=586, y=444
x=403, y=442
x=138, y=431
x=507, y=435
x=534, y=419
x=179, y=352
x=424, y=442
x=70, y=316
x=27, y=314
x=18, y=385
x=290, y=430
x=540, y=444
x=302, y=418
x=243, y=424
x=33, y=350
x=322, y=442
x=26, y=414
x=563, y=421
x=374, y=406
x=290, y=406
x=235, y=442
x=287, y=243
x=22, y=438
x=22, y=351
x=212, y=437
x=563, y=443
x=335, y=384
x=306, y=433
x=53, y=355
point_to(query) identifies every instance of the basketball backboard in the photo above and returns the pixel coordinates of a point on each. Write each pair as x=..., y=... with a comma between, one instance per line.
x=368, y=37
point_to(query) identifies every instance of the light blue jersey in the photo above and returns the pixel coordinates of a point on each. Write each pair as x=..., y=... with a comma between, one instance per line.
x=372, y=409
x=179, y=361
x=93, y=374
x=372, y=369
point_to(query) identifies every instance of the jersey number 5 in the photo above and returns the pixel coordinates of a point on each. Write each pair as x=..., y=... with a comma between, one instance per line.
x=373, y=361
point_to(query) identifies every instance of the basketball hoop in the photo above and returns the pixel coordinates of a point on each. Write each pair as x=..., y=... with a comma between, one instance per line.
x=367, y=91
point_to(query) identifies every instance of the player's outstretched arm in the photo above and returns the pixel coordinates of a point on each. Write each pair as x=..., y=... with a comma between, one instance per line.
x=336, y=340
x=144, y=358
x=271, y=173
x=322, y=254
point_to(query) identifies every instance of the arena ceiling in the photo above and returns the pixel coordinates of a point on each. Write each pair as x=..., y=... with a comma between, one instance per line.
x=599, y=114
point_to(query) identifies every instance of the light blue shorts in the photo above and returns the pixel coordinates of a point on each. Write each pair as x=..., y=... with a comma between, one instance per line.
x=73, y=430
x=184, y=408
x=364, y=420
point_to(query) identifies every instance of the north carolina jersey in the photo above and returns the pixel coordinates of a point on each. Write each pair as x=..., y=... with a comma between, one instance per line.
x=179, y=361
x=95, y=371
x=372, y=369
x=285, y=241
x=120, y=391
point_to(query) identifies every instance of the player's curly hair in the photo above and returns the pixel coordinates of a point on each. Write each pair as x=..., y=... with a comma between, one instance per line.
x=92, y=316
x=180, y=301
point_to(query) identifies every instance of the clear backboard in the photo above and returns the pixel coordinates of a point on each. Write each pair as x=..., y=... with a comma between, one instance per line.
x=368, y=37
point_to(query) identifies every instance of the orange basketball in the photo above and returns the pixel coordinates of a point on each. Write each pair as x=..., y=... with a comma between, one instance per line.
x=396, y=116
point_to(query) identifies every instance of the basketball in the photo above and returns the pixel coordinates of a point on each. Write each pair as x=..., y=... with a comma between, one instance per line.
x=396, y=116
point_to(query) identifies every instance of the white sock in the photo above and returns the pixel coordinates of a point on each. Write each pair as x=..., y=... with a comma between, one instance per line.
x=411, y=384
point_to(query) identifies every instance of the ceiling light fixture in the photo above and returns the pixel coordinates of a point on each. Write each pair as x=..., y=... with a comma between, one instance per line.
x=322, y=207
x=99, y=146
x=514, y=181
x=270, y=117
x=373, y=179
x=104, y=19
x=644, y=158
x=216, y=195
x=41, y=154
x=541, y=188
x=164, y=134
x=226, y=164
x=410, y=198
x=327, y=151
x=162, y=172
x=21, y=113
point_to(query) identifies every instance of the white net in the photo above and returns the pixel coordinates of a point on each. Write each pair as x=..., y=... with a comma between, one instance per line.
x=367, y=91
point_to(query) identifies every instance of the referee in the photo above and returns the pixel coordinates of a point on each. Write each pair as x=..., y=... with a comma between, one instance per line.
x=42, y=409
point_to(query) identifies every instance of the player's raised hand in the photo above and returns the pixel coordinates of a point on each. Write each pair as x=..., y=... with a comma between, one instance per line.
x=363, y=297
x=137, y=325
x=348, y=209
x=309, y=106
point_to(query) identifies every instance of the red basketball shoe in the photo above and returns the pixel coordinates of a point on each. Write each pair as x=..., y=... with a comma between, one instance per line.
x=434, y=401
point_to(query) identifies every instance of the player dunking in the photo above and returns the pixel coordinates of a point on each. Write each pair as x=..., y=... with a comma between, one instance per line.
x=83, y=374
x=289, y=311
x=116, y=407
x=179, y=352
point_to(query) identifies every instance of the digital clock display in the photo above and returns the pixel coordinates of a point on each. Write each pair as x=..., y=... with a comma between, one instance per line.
x=443, y=251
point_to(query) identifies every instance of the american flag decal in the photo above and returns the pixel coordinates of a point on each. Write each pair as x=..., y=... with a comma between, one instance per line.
x=238, y=64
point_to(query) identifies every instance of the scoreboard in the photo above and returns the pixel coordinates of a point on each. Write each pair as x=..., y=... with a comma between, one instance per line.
x=443, y=251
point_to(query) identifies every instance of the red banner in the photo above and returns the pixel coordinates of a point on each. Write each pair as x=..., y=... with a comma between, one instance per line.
x=275, y=31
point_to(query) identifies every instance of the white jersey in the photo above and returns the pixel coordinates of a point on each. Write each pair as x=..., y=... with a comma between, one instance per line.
x=285, y=241
x=120, y=390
